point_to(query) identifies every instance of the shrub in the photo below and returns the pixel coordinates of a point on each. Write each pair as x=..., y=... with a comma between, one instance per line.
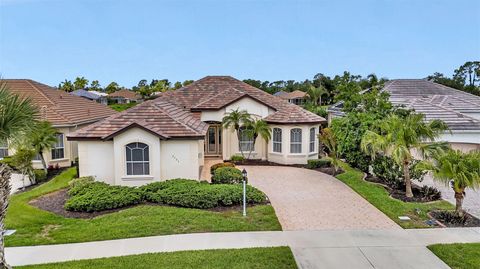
x=88, y=196
x=40, y=175
x=193, y=194
x=227, y=175
x=237, y=158
x=318, y=163
x=430, y=193
x=218, y=165
x=386, y=169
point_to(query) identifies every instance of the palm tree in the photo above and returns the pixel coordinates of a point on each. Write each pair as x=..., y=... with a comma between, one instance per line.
x=400, y=136
x=43, y=137
x=256, y=128
x=461, y=170
x=315, y=94
x=236, y=119
x=17, y=116
x=327, y=137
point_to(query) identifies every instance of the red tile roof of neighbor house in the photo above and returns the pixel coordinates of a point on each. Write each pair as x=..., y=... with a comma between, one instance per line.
x=174, y=114
x=293, y=95
x=58, y=107
x=127, y=94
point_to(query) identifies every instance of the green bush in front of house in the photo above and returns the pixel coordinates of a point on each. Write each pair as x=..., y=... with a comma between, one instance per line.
x=318, y=163
x=194, y=194
x=87, y=195
x=227, y=175
x=219, y=165
x=237, y=158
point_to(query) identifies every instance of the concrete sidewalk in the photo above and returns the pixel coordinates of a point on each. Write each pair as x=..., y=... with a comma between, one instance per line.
x=312, y=249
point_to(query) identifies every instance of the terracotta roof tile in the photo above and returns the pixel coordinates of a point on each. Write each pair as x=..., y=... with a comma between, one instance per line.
x=58, y=107
x=127, y=94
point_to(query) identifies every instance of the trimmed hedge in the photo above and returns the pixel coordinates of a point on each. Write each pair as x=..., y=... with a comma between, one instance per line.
x=40, y=175
x=237, y=158
x=194, y=194
x=219, y=165
x=318, y=163
x=87, y=195
x=227, y=175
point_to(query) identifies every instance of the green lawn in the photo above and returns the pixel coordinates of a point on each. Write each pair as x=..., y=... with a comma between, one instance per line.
x=393, y=208
x=38, y=227
x=458, y=256
x=256, y=258
x=122, y=107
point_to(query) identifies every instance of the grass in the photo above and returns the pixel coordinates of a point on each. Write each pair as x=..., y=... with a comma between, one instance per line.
x=458, y=256
x=122, y=107
x=259, y=258
x=38, y=227
x=393, y=208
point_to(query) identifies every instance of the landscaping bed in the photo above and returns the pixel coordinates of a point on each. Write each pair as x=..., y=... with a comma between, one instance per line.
x=450, y=219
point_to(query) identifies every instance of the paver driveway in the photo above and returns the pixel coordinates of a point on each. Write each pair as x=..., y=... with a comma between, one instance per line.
x=309, y=200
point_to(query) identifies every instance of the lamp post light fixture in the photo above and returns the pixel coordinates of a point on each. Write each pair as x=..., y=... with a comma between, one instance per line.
x=244, y=173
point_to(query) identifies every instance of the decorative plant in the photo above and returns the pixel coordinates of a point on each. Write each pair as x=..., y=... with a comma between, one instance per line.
x=42, y=139
x=399, y=136
x=22, y=160
x=257, y=128
x=328, y=139
x=236, y=119
x=461, y=170
x=17, y=116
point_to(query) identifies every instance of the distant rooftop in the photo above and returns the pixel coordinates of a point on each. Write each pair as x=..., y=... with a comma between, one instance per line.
x=86, y=94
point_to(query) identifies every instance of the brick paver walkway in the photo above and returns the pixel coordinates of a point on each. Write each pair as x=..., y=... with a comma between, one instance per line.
x=309, y=200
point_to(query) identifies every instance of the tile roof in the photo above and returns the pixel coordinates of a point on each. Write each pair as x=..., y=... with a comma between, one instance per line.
x=160, y=118
x=176, y=114
x=293, y=95
x=436, y=101
x=216, y=92
x=127, y=94
x=58, y=107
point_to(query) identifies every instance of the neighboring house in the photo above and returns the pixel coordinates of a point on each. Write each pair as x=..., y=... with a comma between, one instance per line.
x=64, y=111
x=124, y=97
x=296, y=97
x=169, y=137
x=90, y=95
x=458, y=109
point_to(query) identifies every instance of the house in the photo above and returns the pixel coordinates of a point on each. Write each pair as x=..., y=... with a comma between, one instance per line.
x=64, y=111
x=124, y=96
x=90, y=95
x=458, y=109
x=296, y=97
x=170, y=136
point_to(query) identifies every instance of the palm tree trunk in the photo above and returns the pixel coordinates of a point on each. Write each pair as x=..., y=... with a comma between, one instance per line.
x=408, y=183
x=239, y=146
x=459, y=202
x=44, y=163
x=4, y=194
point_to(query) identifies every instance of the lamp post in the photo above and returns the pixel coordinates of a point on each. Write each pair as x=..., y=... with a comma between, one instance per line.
x=244, y=173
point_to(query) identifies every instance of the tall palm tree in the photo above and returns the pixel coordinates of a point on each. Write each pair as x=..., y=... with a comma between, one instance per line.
x=461, y=168
x=236, y=119
x=399, y=136
x=328, y=139
x=315, y=94
x=43, y=137
x=17, y=116
x=257, y=128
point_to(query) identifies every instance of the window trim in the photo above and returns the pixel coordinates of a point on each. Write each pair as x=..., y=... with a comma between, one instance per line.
x=57, y=148
x=312, y=140
x=127, y=162
x=277, y=142
x=249, y=143
x=296, y=143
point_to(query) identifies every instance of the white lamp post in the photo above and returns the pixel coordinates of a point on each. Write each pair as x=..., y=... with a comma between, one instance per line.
x=244, y=173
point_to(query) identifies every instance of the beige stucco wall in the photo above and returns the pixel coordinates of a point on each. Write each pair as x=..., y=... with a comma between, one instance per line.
x=106, y=161
x=285, y=157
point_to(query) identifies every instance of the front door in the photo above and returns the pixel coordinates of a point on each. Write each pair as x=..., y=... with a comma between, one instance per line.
x=213, y=144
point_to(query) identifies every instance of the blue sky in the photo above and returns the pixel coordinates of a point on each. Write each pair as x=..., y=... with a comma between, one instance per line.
x=126, y=41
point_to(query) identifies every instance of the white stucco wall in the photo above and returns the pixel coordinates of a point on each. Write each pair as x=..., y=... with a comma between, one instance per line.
x=96, y=159
x=180, y=159
x=462, y=140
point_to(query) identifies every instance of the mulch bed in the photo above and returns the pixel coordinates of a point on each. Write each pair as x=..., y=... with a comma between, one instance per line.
x=399, y=194
x=471, y=221
x=328, y=170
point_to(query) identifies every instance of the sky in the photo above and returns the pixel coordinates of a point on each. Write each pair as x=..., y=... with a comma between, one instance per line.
x=125, y=41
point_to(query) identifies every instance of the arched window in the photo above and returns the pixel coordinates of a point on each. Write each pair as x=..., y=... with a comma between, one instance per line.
x=137, y=159
x=246, y=140
x=277, y=140
x=312, y=139
x=296, y=140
